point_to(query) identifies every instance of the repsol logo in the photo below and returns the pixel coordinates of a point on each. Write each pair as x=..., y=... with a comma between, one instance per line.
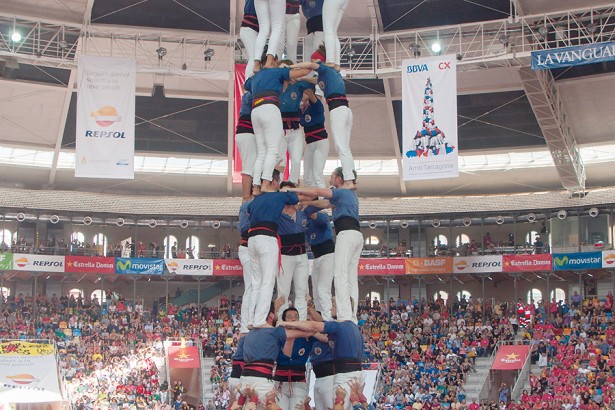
x=486, y=264
x=196, y=267
x=104, y=134
x=417, y=68
x=57, y=264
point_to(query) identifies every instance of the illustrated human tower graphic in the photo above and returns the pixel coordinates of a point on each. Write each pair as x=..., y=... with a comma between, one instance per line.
x=429, y=140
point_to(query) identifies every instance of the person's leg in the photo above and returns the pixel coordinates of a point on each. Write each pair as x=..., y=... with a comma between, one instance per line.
x=321, y=284
x=342, y=256
x=324, y=392
x=273, y=131
x=341, y=128
x=246, y=145
x=353, y=271
x=284, y=281
x=264, y=28
x=293, y=25
x=284, y=395
x=266, y=251
x=298, y=395
x=246, y=300
x=277, y=13
x=248, y=38
x=261, y=147
x=332, y=13
x=295, y=142
x=321, y=153
x=301, y=277
x=308, y=159
x=343, y=380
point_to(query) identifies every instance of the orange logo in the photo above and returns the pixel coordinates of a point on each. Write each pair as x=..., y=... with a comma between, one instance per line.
x=610, y=258
x=21, y=262
x=173, y=266
x=183, y=357
x=106, y=116
x=461, y=265
x=22, y=378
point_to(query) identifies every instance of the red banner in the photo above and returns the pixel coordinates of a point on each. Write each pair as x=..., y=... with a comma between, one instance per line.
x=240, y=79
x=382, y=266
x=184, y=357
x=89, y=264
x=227, y=267
x=526, y=263
x=510, y=357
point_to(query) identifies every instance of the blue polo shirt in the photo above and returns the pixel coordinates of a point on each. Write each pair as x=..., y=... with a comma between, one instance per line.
x=248, y=8
x=311, y=8
x=244, y=219
x=290, y=99
x=346, y=336
x=321, y=352
x=313, y=115
x=288, y=226
x=246, y=104
x=318, y=230
x=330, y=81
x=263, y=344
x=345, y=202
x=268, y=206
x=269, y=80
x=300, y=354
x=238, y=355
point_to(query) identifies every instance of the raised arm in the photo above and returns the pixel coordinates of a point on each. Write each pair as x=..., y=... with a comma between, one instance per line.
x=304, y=325
x=298, y=72
x=312, y=191
x=306, y=64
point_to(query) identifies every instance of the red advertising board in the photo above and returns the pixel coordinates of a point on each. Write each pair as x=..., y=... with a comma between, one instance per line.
x=89, y=264
x=510, y=357
x=184, y=357
x=382, y=266
x=227, y=267
x=526, y=263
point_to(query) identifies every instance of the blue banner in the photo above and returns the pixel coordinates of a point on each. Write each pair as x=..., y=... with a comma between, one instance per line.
x=571, y=56
x=139, y=266
x=575, y=261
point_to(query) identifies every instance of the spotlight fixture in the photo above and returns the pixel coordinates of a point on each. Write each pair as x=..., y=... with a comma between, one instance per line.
x=16, y=36
x=161, y=51
x=543, y=31
x=459, y=56
x=436, y=47
x=184, y=66
x=416, y=50
x=209, y=53
x=505, y=40
x=351, y=53
x=63, y=44
x=592, y=27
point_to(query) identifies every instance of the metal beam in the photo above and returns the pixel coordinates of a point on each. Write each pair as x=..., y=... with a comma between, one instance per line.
x=393, y=134
x=543, y=95
x=56, y=153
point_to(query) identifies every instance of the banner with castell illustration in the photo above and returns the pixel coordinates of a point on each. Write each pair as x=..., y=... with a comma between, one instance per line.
x=105, y=140
x=429, y=118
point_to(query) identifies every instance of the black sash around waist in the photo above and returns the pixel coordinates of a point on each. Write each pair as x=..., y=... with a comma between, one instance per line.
x=293, y=244
x=347, y=365
x=244, y=125
x=267, y=97
x=315, y=133
x=264, y=228
x=290, y=120
x=262, y=368
x=337, y=100
x=346, y=223
x=237, y=369
x=323, y=369
x=314, y=24
x=324, y=248
x=289, y=373
x=244, y=238
x=250, y=21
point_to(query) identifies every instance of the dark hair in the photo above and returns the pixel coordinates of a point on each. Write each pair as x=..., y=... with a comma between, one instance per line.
x=275, y=176
x=287, y=61
x=290, y=309
x=289, y=184
x=322, y=50
x=339, y=172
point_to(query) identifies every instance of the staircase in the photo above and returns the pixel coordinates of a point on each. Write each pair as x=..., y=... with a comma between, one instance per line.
x=535, y=370
x=473, y=383
x=208, y=390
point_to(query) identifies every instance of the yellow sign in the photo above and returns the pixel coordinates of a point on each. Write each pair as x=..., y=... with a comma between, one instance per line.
x=17, y=348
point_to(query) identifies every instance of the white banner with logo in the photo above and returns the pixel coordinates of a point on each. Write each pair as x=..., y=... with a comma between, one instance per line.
x=105, y=141
x=608, y=259
x=196, y=267
x=38, y=263
x=477, y=264
x=429, y=118
x=28, y=372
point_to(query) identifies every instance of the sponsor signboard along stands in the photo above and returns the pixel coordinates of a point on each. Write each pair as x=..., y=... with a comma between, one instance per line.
x=429, y=266
x=382, y=266
x=88, y=264
x=478, y=264
x=38, y=263
x=227, y=267
x=139, y=266
x=575, y=261
x=526, y=263
x=608, y=259
x=195, y=267
x=510, y=357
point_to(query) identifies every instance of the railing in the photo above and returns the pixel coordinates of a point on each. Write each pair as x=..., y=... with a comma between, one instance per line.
x=522, y=376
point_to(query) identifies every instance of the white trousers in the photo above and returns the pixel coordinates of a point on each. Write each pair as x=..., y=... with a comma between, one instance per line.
x=322, y=280
x=290, y=37
x=270, y=15
x=291, y=394
x=267, y=124
x=233, y=382
x=280, y=162
x=311, y=43
x=295, y=141
x=324, y=392
x=332, y=13
x=342, y=380
x=264, y=259
x=348, y=246
x=341, y=127
x=261, y=385
x=246, y=145
x=248, y=38
x=314, y=159
x=294, y=270
x=247, y=314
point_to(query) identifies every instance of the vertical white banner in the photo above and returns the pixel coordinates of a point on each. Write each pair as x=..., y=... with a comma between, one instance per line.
x=429, y=119
x=105, y=141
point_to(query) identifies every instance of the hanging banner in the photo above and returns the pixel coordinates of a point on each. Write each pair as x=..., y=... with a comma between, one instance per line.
x=526, y=263
x=510, y=357
x=196, y=267
x=6, y=261
x=429, y=118
x=240, y=79
x=575, y=261
x=575, y=55
x=478, y=264
x=89, y=264
x=105, y=141
x=227, y=267
x=608, y=259
x=429, y=266
x=139, y=266
x=38, y=263
x=382, y=266
x=28, y=373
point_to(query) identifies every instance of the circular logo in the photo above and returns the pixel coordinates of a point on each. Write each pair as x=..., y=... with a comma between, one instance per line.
x=321, y=84
x=301, y=352
x=106, y=116
x=304, y=222
x=293, y=95
x=331, y=344
x=308, y=118
x=312, y=3
x=318, y=351
x=313, y=236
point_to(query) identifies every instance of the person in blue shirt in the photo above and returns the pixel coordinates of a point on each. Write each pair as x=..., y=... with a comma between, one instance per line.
x=246, y=144
x=332, y=13
x=332, y=84
x=247, y=315
x=319, y=235
x=290, y=30
x=237, y=365
x=265, y=210
x=248, y=33
x=316, y=141
x=312, y=10
x=349, y=241
x=266, y=87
